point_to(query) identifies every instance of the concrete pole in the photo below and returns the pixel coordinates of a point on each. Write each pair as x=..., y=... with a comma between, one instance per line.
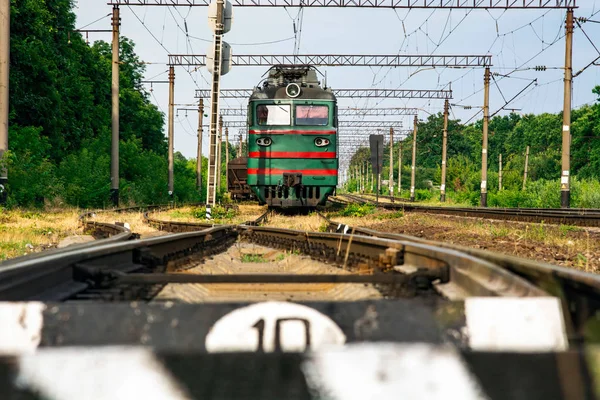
x=114, y=152
x=199, y=152
x=240, y=151
x=219, y=149
x=227, y=156
x=391, y=182
x=170, y=126
x=444, y=151
x=4, y=98
x=526, y=165
x=565, y=189
x=369, y=179
x=362, y=178
x=414, y=160
x=500, y=172
x=400, y=170
x=213, y=161
x=372, y=176
x=484, y=147
x=366, y=178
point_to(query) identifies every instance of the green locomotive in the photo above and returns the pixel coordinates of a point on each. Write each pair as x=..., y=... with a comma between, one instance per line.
x=292, y=139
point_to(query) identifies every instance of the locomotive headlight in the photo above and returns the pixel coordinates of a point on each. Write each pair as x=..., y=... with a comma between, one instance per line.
x=264, y=141
x=321, y=142
x=292, y=90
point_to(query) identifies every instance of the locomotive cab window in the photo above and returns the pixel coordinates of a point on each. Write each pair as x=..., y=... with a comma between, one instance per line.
x=312, y=115
x=273, y=114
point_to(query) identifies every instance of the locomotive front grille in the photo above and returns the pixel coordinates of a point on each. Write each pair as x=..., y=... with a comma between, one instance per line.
x=283, y=192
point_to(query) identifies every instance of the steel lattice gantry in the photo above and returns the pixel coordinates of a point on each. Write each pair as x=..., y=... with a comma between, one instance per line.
x=346, y=93
x=371, y=112
x=339, y=60
x=465, y=4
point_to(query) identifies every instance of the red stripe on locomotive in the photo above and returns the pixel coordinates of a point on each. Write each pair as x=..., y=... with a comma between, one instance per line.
x=290, y=131
x=274, y=171
x=292, y=154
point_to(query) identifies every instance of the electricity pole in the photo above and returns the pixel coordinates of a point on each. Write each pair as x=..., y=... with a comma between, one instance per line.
x=400, y=170
x=484, y=147
x=362, y=178
x=444, y=152
x=391, y=182
x=170, y=126
x=114, y=153
x=526, y=165
x=4, y=77
x=241, y=152
x=500, y=172
x=227, y=156
x=213, y=161
x=199, y=159
x=565, y=190
x=219, y=149
x=414, y=160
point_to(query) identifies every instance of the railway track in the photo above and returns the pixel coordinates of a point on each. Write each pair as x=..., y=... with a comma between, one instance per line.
x=579, y=217
x=419, y=295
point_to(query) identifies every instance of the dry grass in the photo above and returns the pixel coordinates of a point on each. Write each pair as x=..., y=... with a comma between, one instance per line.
x=23, y=232
x=28, y=231
x=558, y=244
x=311, y=222
x=134, y=219
x=246, y=212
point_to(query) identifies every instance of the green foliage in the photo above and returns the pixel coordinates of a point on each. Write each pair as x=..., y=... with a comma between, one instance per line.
x=217, y=212
x=32, y=175
x=423, y=194
x=253, y=258
x=60, y=118
x=509, y=136
x=357, y=210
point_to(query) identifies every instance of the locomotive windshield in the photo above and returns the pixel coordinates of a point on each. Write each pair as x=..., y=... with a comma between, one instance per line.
x=312, y=115
x=273, y=114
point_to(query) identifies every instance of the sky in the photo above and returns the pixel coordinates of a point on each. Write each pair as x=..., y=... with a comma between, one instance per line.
x=517, y=40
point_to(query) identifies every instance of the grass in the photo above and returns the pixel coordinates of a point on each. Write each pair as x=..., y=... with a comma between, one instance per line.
x=391, y=215
x=255, y=258
x=220, y=214
x=23, y=231
x=356, y=210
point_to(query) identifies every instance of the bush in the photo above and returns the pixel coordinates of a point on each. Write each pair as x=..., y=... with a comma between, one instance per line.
x=465, y=197
x=217, y=212
x=357, y=210
x=423, y=194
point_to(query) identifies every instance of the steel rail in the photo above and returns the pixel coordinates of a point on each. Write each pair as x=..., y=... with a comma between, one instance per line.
x=579, y=217
x=101, y=272
x=63, y=276
x=58, y=277
x=578, y=291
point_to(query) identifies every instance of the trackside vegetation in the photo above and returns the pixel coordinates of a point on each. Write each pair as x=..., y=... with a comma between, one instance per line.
x=509, y=135
x=60, y=118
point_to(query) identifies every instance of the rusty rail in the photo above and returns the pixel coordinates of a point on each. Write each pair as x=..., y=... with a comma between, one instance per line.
x=579, y=217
